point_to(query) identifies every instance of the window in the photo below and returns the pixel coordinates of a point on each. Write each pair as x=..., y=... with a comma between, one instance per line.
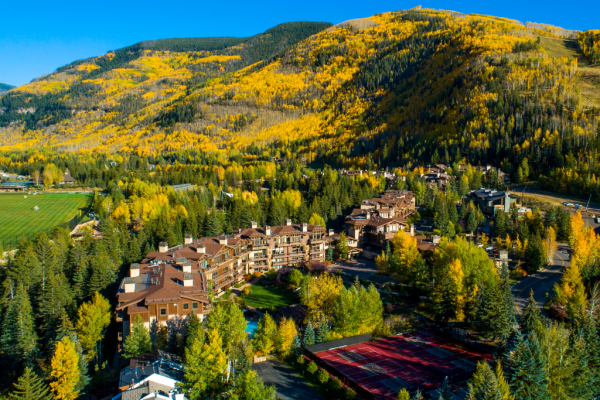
x=186, y=306
x=163, y=311
x=194, y=306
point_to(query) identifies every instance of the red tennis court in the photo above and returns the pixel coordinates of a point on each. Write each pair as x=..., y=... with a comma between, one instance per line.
x=413, y=360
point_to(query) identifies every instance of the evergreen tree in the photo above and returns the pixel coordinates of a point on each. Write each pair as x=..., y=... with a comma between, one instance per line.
x=471, y=223
x=55, y=298
x=251, y=387
x=484, y=384
x=162, y=338
x=309, y=335
x=138, y=341
x=194, y=330
x=342, y=246
x=535, y=256
x=531, y=317
x=444, y=298
x=30, y=387
x=265, y=336
x=445, y=393
x=525, y=379
x=296, y=345
x=329, y=254
x=589, y=331
x=322, y=332
x=212, y=225
x=79, y=265
x=18, y=340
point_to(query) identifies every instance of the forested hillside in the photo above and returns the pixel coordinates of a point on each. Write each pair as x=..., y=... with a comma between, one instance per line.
x=4, y=87
x=397, y=89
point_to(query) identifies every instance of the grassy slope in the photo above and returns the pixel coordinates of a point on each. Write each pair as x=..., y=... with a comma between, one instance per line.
x=18, y=216
x=588, y=75
x=270, y=297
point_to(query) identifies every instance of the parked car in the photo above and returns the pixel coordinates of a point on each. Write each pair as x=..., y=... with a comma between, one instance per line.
x=567, y=204
x=578, y=206
x=489, y=248
x=479, y=244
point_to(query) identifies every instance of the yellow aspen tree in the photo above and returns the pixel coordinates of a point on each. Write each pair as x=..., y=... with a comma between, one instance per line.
x=287, y=332
x=93, y=317
x=508, y=242
x=321, y=295
x=65, y=371
x=457, y=274
x=485, y=239
x=549, y=243
x=570, y=291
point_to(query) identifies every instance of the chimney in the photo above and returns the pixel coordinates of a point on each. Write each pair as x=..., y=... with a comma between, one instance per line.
x=436, y=239
x=304, y=227
x=412, y=229
x=222, y=239
x=201, y=248
x=368, y=215
x=186, y=266
x=129, y=285
x=288, y=222
x=188, y=280
x=254, y=224
x=268, y=230
x=331, y=232
x=179, y=396
x=134, y=270
x=163, y=247
x=188, y=239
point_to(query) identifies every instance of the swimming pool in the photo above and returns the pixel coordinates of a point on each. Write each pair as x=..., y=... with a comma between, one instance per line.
x=251, y=325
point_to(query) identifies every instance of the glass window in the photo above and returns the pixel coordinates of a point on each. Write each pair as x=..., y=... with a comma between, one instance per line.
x=194, y=305
x=163, y=311
x=186, y=306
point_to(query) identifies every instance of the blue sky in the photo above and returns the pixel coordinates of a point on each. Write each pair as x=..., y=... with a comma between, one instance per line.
x=43, y=35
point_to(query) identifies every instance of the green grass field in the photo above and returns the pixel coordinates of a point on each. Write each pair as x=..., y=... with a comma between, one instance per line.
x=19, y=218
x=270, y=297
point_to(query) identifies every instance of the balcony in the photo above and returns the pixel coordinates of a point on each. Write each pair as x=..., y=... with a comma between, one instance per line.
x=119, y=316
x=382, y=236
x=224, y=283
x=120, y=336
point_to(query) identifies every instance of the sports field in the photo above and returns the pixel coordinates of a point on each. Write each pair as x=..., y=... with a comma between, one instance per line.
x=18, y=216
x=414, y=360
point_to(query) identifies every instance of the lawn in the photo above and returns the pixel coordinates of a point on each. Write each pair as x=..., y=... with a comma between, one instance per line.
x=18, y=216
x=270, y=297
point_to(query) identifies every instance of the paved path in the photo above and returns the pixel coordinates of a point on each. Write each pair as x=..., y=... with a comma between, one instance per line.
x=542, y=282
x=238, y=291
x=289, y=386
x=362, y=268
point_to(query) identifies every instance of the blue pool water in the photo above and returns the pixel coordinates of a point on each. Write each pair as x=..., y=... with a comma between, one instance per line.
x=251, y=325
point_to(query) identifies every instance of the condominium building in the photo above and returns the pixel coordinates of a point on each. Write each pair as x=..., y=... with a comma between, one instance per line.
x=169, y=284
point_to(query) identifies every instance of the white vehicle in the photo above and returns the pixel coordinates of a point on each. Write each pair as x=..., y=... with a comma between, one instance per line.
x=479, y=244
x=567, y=204
x=489, y=248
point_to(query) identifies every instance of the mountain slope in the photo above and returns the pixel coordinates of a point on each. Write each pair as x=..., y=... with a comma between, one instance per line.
x=4, y=87
x=395, y=89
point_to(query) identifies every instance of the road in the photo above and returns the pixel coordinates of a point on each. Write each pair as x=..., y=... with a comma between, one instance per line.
x=289, y=386
x=542, y=282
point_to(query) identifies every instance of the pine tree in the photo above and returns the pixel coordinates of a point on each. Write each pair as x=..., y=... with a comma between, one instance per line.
x=55, y=298
x=484, y=384
x=138, y=341
x=322, y=332
x=531, y=317
x=265, y=336
x=194, y=330
x=65, y=371
x=212, y=225
x=418, y=395
x=535, y=256
x=445, y=393
x=296, y=345
x=162, y=337
x=30, y=387
x=444, y=298
x=589, y=331
x=79, y=265
x=309, y=335
x=19, y=340
x=505, y=318
x=525, y=378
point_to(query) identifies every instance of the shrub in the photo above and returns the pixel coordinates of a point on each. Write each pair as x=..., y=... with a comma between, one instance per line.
x=312, y=367
x=294, y=278
x=336, y=385
x=349, y=394
x=246, y=292
x=300, y=359
x=323, y=376
x=557, y=311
